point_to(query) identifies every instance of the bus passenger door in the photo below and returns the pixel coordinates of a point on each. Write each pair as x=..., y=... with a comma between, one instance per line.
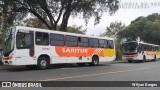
x=25, y=48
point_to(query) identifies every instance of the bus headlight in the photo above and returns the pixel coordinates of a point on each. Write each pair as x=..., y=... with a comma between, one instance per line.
x=7, y=58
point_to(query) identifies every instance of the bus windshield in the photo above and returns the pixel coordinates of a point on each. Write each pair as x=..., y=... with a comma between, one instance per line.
x=129, y=48
x=9, y=42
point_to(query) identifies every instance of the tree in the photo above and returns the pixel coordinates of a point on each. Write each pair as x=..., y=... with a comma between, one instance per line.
x=147, y=28
x=50, y=12
x=36, y=23
x=8, y=18
x=113, y=29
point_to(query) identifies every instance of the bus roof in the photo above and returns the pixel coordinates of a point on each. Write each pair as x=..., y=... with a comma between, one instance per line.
x=58, y=32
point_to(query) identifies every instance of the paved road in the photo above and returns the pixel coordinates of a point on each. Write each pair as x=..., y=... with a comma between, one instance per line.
x=149, y=71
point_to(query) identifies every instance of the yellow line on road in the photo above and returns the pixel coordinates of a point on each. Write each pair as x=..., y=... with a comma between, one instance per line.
x=87, y=75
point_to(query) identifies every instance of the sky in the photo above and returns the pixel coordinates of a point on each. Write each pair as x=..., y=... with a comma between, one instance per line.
x=129, y=10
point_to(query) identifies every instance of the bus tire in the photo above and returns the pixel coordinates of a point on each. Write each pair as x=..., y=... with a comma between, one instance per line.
x=144, y=59
x=30, y=67
x=81, y=64
x=43, y=63
x=95, y=61
x=130, y=61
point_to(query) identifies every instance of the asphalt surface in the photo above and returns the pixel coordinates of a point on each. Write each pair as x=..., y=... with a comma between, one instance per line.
x=122, y=71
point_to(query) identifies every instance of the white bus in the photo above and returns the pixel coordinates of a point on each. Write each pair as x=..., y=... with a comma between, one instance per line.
x=39, y=47
x=134, y=50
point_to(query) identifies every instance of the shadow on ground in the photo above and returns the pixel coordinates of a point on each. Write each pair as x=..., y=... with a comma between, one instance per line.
x=55, y=66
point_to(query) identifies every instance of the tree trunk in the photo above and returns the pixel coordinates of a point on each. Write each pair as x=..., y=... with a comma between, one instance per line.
x=55, y=27
x=65, y=22
x=66, y=16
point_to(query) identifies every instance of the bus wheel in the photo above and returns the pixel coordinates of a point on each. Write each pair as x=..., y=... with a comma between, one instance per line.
x=130, y=61
x=43, y=63
x=81, y=64
x=144, y=59
x=30, y=67
x=95, y=61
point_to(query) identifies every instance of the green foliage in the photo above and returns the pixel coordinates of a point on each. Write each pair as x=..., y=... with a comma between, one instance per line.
x=75, y=29
x=36, y=23
x=147, y=28
x=113, y=29
x=50, y=12
x=8, y=17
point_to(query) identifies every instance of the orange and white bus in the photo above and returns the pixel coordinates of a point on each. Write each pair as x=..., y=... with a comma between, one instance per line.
x=39, y=47
x=134, y=50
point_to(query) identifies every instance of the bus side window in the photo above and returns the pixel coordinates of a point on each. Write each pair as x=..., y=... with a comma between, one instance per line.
x=94, y=43
x=157, y=48
x=107, y=44
x=42, y=38
x=110, y=44
x=56, y=39
x=150, y=48
x=71, y=41
x=153, y=48
x=83, y=42
x=103, y=43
